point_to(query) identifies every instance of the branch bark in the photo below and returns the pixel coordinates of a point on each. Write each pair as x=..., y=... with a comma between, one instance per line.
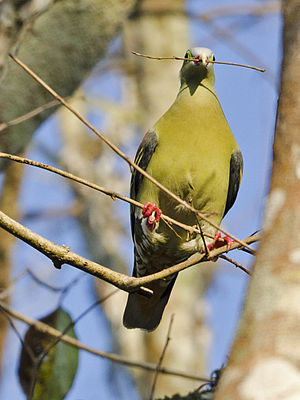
x=112, y=194
x=60, y=255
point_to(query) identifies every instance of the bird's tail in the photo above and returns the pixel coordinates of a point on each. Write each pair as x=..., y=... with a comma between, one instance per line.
x=145, y=313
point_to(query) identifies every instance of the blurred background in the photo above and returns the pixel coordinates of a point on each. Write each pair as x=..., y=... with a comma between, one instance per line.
x=123, y=96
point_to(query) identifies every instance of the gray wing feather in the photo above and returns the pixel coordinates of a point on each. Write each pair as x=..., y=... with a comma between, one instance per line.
x=235, y=174
x=143, y=156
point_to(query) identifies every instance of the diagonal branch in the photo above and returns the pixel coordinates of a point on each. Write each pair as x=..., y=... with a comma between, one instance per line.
x=31, y=114
x=42, y=327
x=101, y=189
x=238, y=265
x=62, y=255
x=121, y=154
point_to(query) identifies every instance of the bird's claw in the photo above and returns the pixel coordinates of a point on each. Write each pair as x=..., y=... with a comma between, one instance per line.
x=219, y=241
x=152, y=213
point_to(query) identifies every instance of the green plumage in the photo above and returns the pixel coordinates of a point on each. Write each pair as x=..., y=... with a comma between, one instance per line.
x=191, y=151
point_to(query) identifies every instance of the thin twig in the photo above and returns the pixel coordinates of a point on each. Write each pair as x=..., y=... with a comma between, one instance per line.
x=14, y=328
x=29, y=115
x=45, y=284
x=62, y=289
x=120, y=153
x=237, y=65
x=163, y=217
x=238, y=265
x=69, y=286
x=168, y=338
x=73, y=210
x=196, y=60
x=6, y=292
x=250, y=9
x=42, y=327
x=202, y=236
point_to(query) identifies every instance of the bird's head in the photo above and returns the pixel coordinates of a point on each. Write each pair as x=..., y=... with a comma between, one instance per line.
x=194, y=72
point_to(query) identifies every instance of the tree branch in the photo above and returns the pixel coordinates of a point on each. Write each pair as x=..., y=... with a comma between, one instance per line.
x=31, y=114
x=62, y=255
x=42, y=327
x=238, y=265
x=101, y=189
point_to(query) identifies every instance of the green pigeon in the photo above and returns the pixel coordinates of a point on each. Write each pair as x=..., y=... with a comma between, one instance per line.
x=192, y=152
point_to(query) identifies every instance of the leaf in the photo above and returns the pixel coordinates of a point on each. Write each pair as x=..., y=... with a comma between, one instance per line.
x=58, y=369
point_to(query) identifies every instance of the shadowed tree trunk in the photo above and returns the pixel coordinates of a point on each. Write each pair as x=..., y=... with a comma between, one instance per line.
x=60, y=42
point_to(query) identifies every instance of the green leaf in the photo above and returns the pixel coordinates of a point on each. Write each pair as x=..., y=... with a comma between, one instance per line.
x=58, y=369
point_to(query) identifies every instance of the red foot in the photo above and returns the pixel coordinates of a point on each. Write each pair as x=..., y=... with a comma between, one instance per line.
x=219, y=241
x=152, y=213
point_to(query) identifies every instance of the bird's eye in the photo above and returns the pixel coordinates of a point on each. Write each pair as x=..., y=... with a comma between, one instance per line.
x=186, y=55
x=214, y=58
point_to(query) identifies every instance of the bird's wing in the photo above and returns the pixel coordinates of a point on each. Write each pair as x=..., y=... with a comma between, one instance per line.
x=235, y=175
x=142, y=159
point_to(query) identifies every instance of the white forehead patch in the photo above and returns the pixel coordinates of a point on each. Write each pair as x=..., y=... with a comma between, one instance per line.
x=198, y=51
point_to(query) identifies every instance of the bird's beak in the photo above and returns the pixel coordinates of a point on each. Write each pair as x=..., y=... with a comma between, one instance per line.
x=203, y=60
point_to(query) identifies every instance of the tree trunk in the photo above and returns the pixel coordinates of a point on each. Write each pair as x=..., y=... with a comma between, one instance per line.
x=265, y=359
x=61, y=44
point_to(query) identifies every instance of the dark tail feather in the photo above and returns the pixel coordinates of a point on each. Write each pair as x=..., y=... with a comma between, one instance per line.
x=145, y=313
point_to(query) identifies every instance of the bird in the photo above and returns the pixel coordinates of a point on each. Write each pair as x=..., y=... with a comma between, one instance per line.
x=190, y=150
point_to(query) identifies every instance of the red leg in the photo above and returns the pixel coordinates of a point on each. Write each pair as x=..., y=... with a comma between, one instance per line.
x=152, y=213
x=219, y=241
